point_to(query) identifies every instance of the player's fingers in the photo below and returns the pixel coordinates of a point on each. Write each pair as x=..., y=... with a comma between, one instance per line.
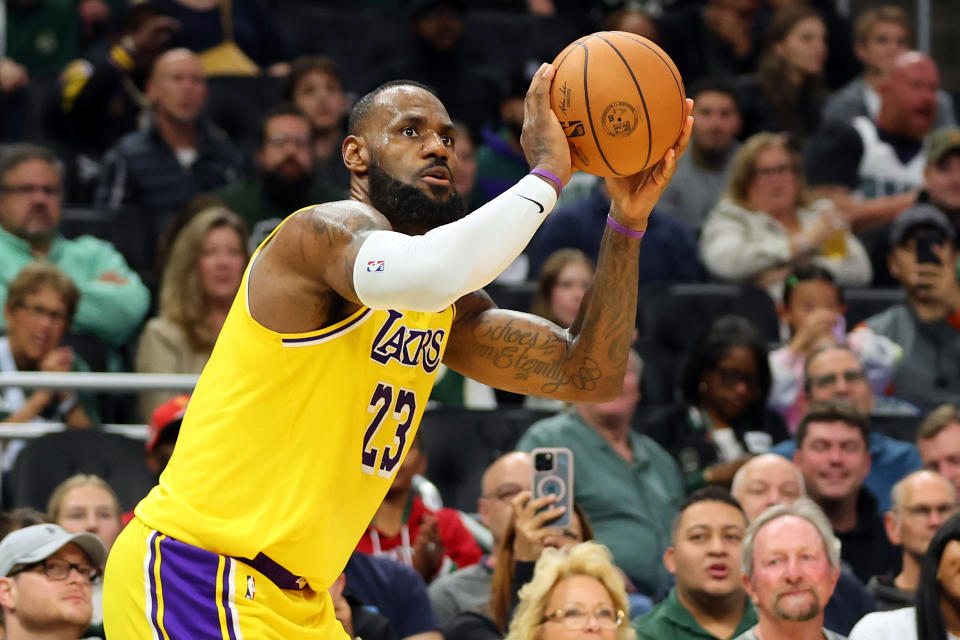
x=538, y=94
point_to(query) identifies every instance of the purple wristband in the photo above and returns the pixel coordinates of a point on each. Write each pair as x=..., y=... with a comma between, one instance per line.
x=627, y=231
x=543, y=173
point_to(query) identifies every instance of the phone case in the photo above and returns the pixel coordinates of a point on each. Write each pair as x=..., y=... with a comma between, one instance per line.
x=558, y=481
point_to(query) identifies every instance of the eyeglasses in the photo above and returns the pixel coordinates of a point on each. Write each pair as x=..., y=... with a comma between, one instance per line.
x=26, y=189
x=924, y=511
x=730, y=378
x=280, y=140
x=42, y=312
x=573, y=617
x=776, y=170
x=60, y=569
x=830, y=379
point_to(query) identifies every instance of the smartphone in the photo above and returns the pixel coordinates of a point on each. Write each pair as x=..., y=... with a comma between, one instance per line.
x=925, y=239
x=553, y=475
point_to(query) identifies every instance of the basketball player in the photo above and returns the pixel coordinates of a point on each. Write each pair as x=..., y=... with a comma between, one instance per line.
x=322, y=370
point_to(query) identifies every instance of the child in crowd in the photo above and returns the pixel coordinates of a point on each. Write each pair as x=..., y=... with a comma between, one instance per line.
x=813, y=311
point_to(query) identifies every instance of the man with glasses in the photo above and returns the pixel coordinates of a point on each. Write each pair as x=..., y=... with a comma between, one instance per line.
x=835, y=372
x=287, y=177
x=48, y=579
x=708, y=601
x=468, y=589
x=113, y=300
x=921, y=503
x=833, y=457
x=791, y=564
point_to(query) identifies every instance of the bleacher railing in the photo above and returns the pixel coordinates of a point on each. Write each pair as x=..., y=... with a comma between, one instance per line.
x=112, y=382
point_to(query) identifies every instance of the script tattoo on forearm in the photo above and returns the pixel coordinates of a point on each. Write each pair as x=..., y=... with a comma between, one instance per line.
x=534, y=352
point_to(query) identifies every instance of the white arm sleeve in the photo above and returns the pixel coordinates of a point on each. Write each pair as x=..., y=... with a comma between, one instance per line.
x=430, y=272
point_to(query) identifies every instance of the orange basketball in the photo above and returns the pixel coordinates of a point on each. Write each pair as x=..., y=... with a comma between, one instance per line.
x=620, y=100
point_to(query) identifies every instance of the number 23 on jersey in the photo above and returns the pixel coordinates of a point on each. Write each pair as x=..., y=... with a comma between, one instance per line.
x=392, y=408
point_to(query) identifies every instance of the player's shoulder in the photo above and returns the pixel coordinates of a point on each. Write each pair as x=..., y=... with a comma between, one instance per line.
x=340, y=219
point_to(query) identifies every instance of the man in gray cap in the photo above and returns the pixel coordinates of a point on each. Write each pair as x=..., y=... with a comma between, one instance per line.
x=47, y=581
x=923, y=259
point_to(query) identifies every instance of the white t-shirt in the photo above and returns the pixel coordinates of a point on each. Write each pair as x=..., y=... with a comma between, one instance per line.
x=899, y=624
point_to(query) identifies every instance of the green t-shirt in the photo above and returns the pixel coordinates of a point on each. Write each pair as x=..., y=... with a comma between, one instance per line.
x=669, y=620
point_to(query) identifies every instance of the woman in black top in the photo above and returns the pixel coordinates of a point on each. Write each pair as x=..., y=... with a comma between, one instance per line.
x=723, y=418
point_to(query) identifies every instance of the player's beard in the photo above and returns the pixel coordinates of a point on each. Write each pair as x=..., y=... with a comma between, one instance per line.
x=409, y=209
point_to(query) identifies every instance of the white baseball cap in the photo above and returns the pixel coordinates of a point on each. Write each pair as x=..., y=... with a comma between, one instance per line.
x=39, y=542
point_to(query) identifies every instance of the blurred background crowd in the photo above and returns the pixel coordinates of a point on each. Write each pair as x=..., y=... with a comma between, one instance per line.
x=799, y=290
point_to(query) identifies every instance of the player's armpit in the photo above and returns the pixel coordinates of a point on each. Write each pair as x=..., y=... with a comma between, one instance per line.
x=524, y=353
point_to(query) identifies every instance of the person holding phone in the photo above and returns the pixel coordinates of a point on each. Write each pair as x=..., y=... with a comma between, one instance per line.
x=628, y=485
x=923, y=259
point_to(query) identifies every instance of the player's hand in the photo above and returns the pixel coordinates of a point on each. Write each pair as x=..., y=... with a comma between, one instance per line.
x=634, y=196
x=428, y=548
x=530, y=526
x=543, y=141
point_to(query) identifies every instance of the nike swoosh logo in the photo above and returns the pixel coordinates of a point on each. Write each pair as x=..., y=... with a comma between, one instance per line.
x=531, y=200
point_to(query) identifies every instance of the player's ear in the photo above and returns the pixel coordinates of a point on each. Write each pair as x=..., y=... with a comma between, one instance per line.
x=356, y=155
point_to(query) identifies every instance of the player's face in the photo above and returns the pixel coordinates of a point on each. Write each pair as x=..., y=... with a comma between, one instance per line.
x=774, y=185
x=943, y=181
x=805, y=47
x=320, y=96
x=885, y=42
x=716, y=121
x=286, y=148
x=706, y=552
x=833, y=459
x=412, y=160
x=221, y=264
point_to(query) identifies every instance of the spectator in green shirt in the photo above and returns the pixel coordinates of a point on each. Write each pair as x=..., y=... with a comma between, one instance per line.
x=627, y=484
x=708, y=601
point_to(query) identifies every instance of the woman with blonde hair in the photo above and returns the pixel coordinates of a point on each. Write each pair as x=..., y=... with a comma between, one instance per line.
x=574, y=591
x=85, y=502
x=767, y=223
x=199, y=283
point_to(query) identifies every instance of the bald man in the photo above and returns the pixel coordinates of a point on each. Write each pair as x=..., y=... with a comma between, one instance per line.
x=179, y=155
x=468, y=589
x=919, y=505
x=880, y=162
x=770, y=479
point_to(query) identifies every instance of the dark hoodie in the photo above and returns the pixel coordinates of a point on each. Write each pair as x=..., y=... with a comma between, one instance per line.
x=866, y=547
x=887, y=595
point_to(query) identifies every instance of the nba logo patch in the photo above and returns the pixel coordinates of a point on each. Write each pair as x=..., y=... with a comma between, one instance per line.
x=251, y=588
x=375, y=265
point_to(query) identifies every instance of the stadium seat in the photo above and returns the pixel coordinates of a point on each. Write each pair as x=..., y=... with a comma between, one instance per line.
x=863, y=303
x=49, y=460
x=461, y=443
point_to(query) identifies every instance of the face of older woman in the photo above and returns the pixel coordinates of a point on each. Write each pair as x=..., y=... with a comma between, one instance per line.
x=774, y=186
x=579, y=607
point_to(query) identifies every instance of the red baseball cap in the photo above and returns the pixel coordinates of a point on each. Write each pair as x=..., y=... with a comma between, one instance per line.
x=169, y=414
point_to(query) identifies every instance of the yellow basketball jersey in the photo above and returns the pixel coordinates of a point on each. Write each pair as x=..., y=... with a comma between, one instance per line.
x=290, y=441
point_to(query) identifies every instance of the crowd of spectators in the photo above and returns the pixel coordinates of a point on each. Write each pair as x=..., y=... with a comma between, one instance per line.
x=781, y=483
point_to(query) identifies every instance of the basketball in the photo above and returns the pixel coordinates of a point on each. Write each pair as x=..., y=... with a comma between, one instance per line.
x=620, y=100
